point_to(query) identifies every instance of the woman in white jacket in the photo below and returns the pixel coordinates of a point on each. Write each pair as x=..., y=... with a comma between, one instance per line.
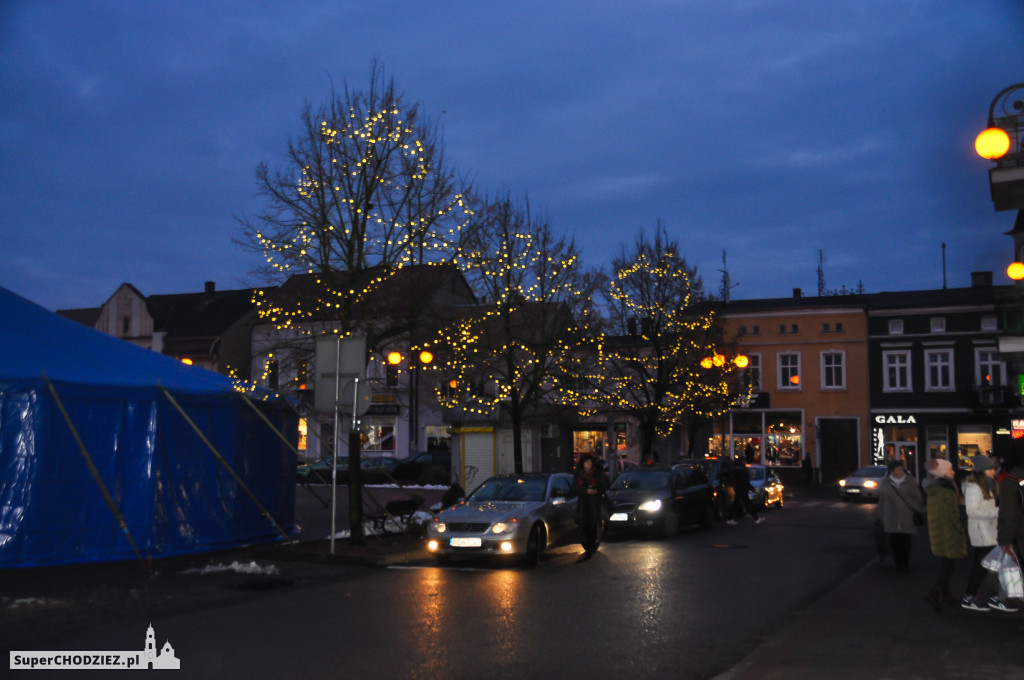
x=979, y=491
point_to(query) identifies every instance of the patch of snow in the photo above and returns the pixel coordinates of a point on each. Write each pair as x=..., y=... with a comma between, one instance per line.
x=237, y=567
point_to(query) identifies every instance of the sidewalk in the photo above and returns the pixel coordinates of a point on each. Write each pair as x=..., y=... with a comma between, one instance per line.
x=877, y=624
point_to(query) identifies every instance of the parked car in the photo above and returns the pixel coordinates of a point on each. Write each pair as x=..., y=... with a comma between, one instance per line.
x=661, y=501
x=767, y=486
x=717, y=471
x=864, y=483
x=319, y=472
x=514, y=515
x=427, y=467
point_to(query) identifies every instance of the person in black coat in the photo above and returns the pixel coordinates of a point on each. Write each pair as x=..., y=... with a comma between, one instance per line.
x=739, y=480
x=590, y=485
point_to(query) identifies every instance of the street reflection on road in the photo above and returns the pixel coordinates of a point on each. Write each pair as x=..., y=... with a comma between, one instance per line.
x=490, y=614
x=646, y=591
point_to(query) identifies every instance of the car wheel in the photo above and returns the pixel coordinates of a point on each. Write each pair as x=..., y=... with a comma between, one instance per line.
x=670, y=525
x=534, y=546
x=708, y=518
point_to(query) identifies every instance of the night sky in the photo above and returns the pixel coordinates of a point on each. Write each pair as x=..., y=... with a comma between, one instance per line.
x=769, y=129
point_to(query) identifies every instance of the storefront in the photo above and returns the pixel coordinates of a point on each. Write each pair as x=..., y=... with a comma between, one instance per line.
x=768, y=437
x=596, y=442
x=906, y=435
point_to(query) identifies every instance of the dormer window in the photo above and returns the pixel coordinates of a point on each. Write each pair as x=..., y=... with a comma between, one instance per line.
x=895, y=326
x=938, y=324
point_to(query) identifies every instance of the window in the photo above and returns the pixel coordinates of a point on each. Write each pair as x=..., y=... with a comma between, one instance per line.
x=988, y=323
x=938, y=324
x=751, y=375
x=833, y=372
x=390, y=375
x=839, y=326
x=896, y=367
x=789, y=371
x=379, y=436
x=991, y=368
x=938, y=373
x=895, y=326
x=126, y=324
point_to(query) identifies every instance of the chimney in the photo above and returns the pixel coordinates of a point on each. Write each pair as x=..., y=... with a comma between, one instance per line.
x=797, y=293
x=981, y=279
x=631, y=326
x=210, y=286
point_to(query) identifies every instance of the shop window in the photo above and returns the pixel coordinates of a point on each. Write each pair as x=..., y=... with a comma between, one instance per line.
x=972, y=440
x=301, y=446
x=785, y=439
x=439, y=437
x=937, y=441
x=378, y=437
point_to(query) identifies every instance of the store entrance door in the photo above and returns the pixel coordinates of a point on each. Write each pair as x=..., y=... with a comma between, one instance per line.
x=839, y=449
x=905, y=451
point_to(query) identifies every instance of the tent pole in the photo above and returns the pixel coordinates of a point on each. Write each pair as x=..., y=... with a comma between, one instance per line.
x=96, y=474
x=220, y=459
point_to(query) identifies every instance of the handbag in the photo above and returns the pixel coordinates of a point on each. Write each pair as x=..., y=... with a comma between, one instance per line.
x=916, y=515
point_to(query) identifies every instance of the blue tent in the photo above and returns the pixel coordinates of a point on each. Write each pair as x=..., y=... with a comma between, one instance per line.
x=109, y=451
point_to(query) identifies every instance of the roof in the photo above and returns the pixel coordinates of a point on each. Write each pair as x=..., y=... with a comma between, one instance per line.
x=207, y=314
x=41, y=342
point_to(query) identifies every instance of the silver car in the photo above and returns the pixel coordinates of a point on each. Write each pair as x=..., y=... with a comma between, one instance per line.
x=515, y=515
x=864, y=483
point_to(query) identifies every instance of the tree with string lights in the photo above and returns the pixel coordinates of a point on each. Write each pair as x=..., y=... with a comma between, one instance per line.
x=667, y=367
x=356, y=221
x=507, y=358
x=364, y=192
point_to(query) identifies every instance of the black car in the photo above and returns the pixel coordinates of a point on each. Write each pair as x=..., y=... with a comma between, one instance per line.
x=428, y=467
x=717, y=471
x=660, y=501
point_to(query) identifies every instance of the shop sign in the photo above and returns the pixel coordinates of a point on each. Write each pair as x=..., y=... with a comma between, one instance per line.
x=896, y=420
x=383, y=410
x=1017, y=428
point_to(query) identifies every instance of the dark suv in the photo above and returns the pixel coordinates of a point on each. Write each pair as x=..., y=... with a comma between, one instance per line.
x=427, y=467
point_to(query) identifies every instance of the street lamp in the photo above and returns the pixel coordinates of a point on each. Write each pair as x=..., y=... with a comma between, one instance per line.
x=1001, y=143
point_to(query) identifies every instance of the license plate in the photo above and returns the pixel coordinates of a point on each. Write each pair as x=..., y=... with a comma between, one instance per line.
x=618, y=517
x=853, y=491
x=473, y=542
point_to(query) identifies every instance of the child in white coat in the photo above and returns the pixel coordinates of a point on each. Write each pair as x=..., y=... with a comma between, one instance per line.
x=979, y=491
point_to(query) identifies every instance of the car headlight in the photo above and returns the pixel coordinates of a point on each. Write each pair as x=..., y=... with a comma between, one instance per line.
x=504, y=527
x=870, y=484
x=842, y=482
x=440, y=527
x=651, y=506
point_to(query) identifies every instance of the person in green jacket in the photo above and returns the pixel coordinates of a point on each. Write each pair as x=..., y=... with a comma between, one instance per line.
x=945, y=528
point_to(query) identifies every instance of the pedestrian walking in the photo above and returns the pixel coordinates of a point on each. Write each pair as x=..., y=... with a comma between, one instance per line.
x=945, y=528
x=900, y=505
x=590, y=485
x=979, y=491
x=739, y=480
x=1010, y=521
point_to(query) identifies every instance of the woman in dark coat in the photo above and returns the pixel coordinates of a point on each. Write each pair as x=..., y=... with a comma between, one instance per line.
x=589, y=485
x=945, y=528
x=898, y=499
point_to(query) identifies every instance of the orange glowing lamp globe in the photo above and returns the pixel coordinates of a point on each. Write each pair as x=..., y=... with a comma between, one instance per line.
x=718, y=360
x=394, y=358
x=992, y=143
x=741, y=361
x=1015, y=271
x=706, y=362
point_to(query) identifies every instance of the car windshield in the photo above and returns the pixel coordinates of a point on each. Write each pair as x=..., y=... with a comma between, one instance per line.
x=756, y=473
x=641, y=479
x=873, y=471
x=510, y=489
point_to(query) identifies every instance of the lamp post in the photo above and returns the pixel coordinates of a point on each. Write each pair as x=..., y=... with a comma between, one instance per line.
x=1001, y=143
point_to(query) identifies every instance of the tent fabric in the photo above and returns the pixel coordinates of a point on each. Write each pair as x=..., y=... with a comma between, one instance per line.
x=175, y=496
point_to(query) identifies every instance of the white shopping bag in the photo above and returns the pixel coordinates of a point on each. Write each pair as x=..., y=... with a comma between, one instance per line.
x=1010, y=577
x=994, y=559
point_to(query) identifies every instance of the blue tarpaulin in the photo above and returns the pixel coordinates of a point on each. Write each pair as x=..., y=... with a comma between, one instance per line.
x=154, y=469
